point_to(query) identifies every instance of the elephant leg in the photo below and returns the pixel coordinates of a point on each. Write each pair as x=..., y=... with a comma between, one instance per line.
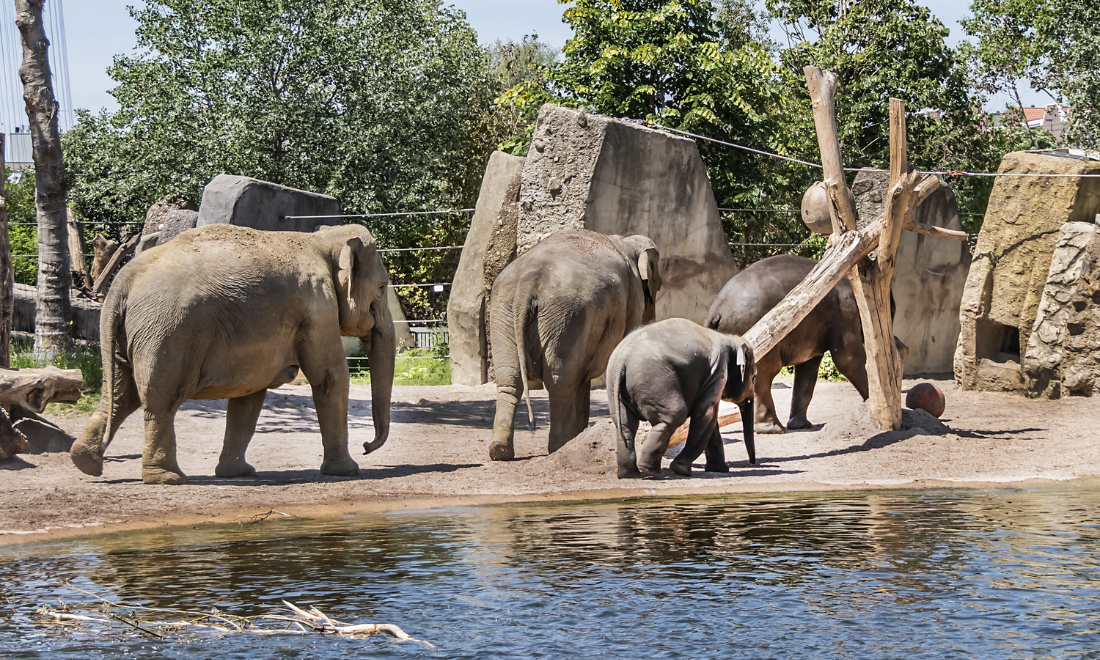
x=805, y=378
x=158, y=458
x=572, y=418
x=324, y=365
x=655, y=446
x=704, y=424
x=87, y=452
x=240, y=425
x=766, y=371
x=716, y=453
x=502, y=447
x=626, y=428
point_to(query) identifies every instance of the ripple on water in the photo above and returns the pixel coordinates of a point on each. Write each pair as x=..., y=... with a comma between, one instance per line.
x=933, y=575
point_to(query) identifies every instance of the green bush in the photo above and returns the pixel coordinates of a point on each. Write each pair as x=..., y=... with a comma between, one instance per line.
x=827, y=370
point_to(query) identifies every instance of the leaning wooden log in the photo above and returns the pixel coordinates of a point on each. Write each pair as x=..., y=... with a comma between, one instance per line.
x=76, y=255
x=34, y=388
x=104, y=248
x=100, y=287
x=681, y=433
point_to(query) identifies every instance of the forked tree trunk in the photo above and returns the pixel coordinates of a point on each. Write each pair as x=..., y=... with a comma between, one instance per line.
x=53, y=310
x=7, y=273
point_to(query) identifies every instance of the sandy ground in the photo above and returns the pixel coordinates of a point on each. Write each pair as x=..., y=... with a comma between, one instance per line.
x=437, y=455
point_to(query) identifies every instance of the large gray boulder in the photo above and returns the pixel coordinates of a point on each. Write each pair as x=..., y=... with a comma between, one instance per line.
x=615, y=177
x=246, y=202
x=929, y=277
x=490, y=245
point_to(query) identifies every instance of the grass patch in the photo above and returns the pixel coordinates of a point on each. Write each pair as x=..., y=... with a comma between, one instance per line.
x=85, y=357
x=417, y=366
x=827, y=370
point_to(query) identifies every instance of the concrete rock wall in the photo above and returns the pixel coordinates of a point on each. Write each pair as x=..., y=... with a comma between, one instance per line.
x=1063, y=351
x=1012, y=261
x=247, y=202
x=929, y=278
x=490, y=246
x=614, y=177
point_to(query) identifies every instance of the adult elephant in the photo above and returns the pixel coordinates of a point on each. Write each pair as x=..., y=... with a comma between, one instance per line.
x=230, y=312
x=556, y=314
x=832, y=326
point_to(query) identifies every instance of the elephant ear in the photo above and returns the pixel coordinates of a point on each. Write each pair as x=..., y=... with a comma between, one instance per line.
x=349, y=255
x=648, y=268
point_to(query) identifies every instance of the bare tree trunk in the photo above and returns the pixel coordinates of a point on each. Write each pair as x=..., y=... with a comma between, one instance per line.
x=7, y=273
x=53, y=311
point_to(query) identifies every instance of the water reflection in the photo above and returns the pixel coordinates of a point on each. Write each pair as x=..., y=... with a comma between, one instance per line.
x=879, y=575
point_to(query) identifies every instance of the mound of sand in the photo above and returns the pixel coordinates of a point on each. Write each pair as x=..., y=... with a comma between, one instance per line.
x=859, y=427
x=591, y=452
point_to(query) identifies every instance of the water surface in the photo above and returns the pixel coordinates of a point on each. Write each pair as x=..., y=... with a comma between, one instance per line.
x=919, y=575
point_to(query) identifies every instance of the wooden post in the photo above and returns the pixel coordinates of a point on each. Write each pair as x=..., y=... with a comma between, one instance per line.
x=7, y=273
x=76, y=254
x=822, y=85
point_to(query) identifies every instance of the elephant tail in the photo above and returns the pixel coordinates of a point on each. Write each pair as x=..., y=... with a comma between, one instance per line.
x=520, y=321
x=616, y=406
x=108, y=330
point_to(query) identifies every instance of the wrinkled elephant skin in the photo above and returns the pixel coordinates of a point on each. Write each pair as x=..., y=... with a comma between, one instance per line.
x=225, y=312
x=669, y=372
x=556, y=314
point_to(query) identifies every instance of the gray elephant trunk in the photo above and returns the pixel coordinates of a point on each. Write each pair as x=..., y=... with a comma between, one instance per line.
x=748, y=421
x=381, y=347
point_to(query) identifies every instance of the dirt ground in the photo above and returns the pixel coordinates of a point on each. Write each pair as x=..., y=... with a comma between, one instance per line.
x=437, y=455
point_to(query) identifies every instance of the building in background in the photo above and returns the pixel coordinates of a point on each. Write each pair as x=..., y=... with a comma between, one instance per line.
x=13, y=114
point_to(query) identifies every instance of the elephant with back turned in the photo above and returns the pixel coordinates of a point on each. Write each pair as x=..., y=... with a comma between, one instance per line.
x=225, y=312
x=556, y=314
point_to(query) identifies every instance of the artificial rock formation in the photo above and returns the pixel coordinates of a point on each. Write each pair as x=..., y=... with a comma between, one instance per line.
x=490, y=245
x=1063, y=351
x=929, y=277
x=1012, y=261
x=614, y=177
x=165, y=220
x=247, y=202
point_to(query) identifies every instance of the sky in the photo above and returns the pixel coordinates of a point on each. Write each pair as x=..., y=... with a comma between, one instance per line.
x=97, y=30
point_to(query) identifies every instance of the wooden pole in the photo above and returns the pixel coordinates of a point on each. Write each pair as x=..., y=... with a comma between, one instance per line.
x=7, y=273
x=822, y=86
x=76, y=253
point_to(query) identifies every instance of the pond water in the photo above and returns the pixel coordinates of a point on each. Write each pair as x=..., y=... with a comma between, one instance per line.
x=882, y=575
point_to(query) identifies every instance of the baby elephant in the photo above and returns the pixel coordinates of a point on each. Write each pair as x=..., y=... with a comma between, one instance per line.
x=667, y=372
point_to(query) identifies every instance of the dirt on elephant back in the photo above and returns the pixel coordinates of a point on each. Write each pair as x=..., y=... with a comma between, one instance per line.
x=437, y=455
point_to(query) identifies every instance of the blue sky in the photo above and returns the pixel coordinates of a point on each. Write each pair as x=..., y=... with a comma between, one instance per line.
x=97, y=30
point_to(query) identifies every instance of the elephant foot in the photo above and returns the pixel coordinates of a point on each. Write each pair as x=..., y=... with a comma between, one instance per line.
x=501, y=451
x=629, y=472
x=342, y=467
x=682, y=469
x=160, y=476
x=86, y=460
x=716, y=467
x=650, y=470
x=235, y=469
x=770, y=427
x=552, y=446
x=799, y=422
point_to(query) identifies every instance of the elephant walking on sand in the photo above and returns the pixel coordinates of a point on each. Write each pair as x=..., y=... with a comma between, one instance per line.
x=225, y=312
x=669, y=372
x=833, y=325
x=556, y=314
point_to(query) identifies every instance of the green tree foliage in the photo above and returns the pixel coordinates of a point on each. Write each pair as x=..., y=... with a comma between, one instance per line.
x=380, y=103
x=22, y=226
x=519, y=70
x=1052, y=44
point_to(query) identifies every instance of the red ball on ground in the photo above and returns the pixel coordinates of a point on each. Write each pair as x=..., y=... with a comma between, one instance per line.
x=926, y=397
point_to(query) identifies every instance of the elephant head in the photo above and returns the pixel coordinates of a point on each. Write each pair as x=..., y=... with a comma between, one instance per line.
x=642, y=252
x=740, y=384
x=361, y=287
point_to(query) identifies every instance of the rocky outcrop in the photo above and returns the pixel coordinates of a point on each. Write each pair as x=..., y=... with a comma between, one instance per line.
x=1063, y=351
x=490, y=246
x=1012, y=261
x=615, y=177
x=929, y=276
x=247, y=202
x=168, y=218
